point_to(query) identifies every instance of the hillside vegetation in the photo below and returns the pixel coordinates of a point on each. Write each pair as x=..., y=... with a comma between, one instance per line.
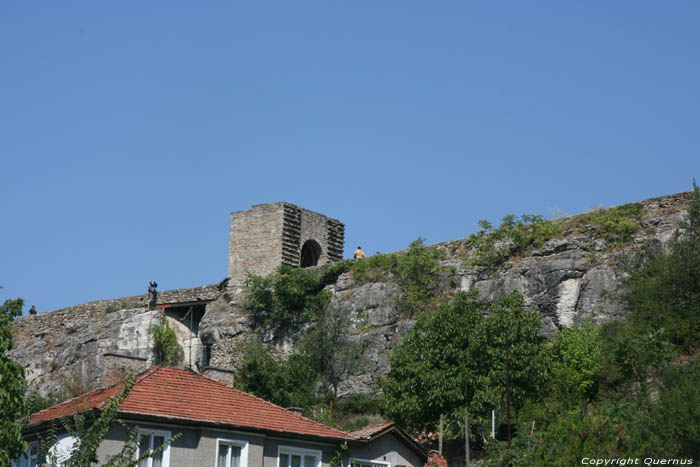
x=624, y=388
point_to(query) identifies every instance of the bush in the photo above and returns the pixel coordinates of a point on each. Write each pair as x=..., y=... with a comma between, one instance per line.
x=573, y=435
x=287, y=299
x=492, y=247
x=616, y=224
x=289, y=382
x=358, y=404
x=576, y=362
x=417, y=272
x=663, y=289
x=672, y=427
x=166, y=350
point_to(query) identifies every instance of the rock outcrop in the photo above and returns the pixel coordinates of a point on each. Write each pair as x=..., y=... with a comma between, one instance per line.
x=572, y=277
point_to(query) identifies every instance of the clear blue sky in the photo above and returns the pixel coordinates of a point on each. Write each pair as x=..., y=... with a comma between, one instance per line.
x=129, y=130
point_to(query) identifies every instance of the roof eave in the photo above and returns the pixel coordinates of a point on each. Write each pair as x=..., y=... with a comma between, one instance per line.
x=229, y=426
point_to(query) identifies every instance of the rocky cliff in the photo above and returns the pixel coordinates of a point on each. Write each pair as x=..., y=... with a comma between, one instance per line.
x=571, y=277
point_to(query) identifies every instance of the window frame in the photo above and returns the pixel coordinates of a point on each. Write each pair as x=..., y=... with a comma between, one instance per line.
x=293, y=450
x=233, y=442
x=370, y=462
x=154, y=432
x=31, y=454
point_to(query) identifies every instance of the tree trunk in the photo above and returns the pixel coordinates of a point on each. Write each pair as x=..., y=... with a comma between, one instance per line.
x=466, y=437
x=440, y=439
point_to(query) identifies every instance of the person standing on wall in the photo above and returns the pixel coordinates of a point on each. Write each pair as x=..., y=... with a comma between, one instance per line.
x=359, y=253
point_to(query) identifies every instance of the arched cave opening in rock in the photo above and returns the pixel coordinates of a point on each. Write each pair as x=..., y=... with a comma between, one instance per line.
x=310, y=253
x=188, y=314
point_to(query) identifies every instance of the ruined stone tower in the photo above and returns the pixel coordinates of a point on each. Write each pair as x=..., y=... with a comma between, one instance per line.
x=269, y=235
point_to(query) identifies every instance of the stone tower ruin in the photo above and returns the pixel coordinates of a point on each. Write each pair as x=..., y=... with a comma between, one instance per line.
x=269, y=235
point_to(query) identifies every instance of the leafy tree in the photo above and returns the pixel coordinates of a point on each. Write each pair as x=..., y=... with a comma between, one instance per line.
x=330, y=350
x=663, y=288
x=287, y=299
x=420, y=275
x=640, y=356
x=672, y=426
x=166, y=350
x=510, y=328
x=289, y=382
x=455, y=358
x=12, y=387
x=576, y=361
x=573, y=435
x=432, y=369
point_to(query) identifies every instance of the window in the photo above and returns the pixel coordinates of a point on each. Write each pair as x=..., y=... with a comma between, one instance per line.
x=154, y=439
x=231, y=453
x=367, y=463
x=296, y=457
x=27, y=459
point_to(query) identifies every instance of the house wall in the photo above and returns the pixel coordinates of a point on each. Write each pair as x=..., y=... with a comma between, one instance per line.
x=272, y=448
x=184, y=451
x=197, y=446
x=388, y=448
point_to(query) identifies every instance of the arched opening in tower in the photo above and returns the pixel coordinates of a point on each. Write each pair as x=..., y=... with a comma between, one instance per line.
x=310, y=253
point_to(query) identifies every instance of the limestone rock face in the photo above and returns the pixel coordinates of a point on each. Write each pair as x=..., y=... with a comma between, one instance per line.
x=569, y=279
x=83, y=352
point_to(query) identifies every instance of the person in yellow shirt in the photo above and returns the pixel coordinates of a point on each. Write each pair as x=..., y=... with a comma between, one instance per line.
x=359, y=253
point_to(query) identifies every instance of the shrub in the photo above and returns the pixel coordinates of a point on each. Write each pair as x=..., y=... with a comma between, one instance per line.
x=287, y=299
x=417, y=271
x=166, y=350
x=663, y=288
x=616, y=224
x=493, y=246
x=289, y=382
x=576, y=362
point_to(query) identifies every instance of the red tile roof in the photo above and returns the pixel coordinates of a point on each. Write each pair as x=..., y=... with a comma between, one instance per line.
x=370, y=430
x=185, y=395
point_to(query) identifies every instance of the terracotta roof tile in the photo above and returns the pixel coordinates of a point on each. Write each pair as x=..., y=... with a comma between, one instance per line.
x=183, y=394
x=370, y=430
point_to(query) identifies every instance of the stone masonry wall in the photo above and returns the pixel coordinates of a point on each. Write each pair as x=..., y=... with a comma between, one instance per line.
x=255, y=242
x=573, y=277
x=269, y=235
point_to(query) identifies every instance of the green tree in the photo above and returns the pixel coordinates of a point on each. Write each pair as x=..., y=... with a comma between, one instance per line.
x=420, y=275
x=432, y=369
x=330, y=350
x=12, y=387
x=287, y=299
x=289, y=382
x=455, y=358
x=166, y=350
x=672, y=426
x=574, y=434
x=511, y=330
x=663, y=288
x=576, y=361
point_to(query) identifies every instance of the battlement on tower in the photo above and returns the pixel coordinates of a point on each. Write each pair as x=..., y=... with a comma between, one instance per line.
x=267, y=236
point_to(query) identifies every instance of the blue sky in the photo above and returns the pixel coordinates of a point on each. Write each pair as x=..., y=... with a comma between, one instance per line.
x=129, y=130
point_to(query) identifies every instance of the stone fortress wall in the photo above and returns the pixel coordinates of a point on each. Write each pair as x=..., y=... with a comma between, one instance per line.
x=269, y=235
x=572, y=277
